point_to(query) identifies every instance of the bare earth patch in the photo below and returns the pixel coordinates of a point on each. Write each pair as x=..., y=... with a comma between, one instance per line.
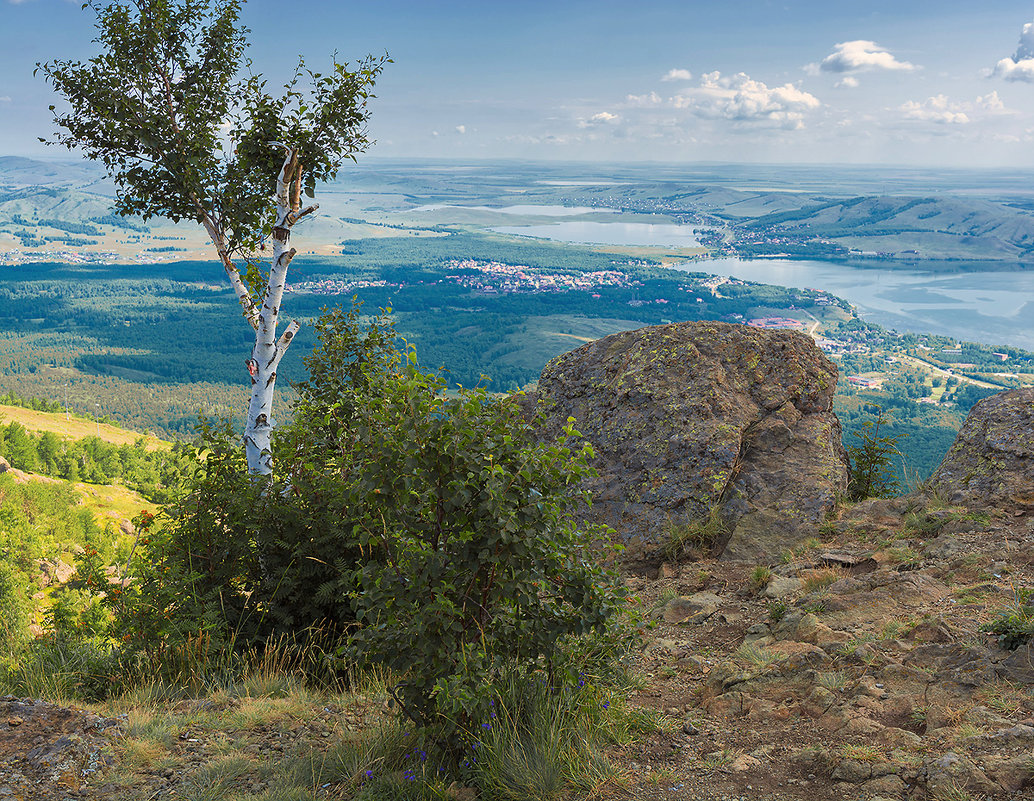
x=856, y=668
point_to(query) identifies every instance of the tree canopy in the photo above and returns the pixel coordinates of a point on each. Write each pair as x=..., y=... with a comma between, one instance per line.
x=172, y=108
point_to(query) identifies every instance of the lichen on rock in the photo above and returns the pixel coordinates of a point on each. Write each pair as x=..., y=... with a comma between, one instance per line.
x=989, y=464
x=691, y=417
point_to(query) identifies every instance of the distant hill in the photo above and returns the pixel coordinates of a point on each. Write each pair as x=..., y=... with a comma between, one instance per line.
x=16, y=171
x=936, y=227
x=73, y=426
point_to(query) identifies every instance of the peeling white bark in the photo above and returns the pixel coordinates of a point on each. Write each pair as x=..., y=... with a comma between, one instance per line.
x=269, y=349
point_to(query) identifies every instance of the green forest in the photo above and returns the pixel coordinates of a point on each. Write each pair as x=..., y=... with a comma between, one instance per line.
x=152, y=346
x=155, y=474
x=106, y=336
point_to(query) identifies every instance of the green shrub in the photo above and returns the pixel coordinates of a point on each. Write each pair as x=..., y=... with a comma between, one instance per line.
x=1014, y=627
x=871, y=472
x=435, y=532
x=14, y=612
x=472, y=559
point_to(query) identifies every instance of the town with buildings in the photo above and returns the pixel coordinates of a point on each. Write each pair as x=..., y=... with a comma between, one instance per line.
x=492, y=277
x=15, y=257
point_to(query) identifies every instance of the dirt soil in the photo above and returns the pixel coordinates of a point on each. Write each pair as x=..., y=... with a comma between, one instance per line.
x=855, y=668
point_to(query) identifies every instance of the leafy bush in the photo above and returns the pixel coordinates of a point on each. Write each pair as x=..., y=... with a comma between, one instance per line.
x=472, y=560
x=14, y=611
x=434, y=531
x=1015, y=626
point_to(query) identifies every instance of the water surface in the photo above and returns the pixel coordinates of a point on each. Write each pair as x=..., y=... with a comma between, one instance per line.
x=609, y=233
x=980, y=306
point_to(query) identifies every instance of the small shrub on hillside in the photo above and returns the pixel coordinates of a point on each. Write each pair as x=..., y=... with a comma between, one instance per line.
x=472, y=560
x=871, y=473
x=14, y=611
x=1014, y=626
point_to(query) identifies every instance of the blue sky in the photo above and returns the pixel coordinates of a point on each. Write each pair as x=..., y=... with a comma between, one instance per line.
x=905, y=82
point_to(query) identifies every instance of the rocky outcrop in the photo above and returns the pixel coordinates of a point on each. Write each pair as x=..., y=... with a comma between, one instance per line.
x=990, y=464
x=694, y=417
x=52, y=752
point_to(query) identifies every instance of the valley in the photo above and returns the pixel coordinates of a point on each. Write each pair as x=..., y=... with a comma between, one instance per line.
x=484, y=275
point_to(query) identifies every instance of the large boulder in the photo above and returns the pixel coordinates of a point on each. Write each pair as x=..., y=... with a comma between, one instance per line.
x=991, y=463
x=691, y=418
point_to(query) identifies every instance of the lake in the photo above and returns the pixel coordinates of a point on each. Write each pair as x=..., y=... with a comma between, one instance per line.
x=980, y=306
x=527, y=209
x=609, y=233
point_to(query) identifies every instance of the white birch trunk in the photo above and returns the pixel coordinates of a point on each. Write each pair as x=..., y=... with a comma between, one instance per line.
x=269, y=349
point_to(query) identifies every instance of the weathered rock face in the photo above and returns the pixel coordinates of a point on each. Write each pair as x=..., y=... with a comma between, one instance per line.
x=692, y=416
x=990, y=463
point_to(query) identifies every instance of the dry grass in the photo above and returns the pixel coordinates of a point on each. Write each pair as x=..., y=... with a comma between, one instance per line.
x=75, y=427
x=819, y=579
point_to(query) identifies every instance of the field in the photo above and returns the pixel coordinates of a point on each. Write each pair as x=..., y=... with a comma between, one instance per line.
x=72, y=426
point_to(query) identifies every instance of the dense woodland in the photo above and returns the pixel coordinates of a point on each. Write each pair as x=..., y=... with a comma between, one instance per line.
x=112, y=339
x=155, y=474
x=106, y=331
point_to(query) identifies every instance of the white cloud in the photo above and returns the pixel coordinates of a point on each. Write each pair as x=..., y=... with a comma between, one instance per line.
x=652, y=99
x=942, y=111
x=461, y=129
x=991, y=102
x=937, y=109
x=1020, y=66
x=861, y=55
x=742, y=99
x=677, y=75
x=847, y=82
x=5, y=99
x=603, y=118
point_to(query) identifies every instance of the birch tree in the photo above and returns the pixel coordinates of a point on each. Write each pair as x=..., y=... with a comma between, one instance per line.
x=187, y=131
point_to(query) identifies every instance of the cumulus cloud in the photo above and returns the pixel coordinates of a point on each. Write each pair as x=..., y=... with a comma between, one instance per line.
x=937, y=109
x=940, y=110
x=677, y=75
x=991, y=102
x=5, y=99
x=603, y=118
x=1020, y=66
x=847, y=82
x=461, y=129
x=861, y=55
x=652, y=99
x=742, y=99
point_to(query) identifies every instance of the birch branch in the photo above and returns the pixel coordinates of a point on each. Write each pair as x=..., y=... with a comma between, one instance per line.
x=284, y=342
x=239, y=288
